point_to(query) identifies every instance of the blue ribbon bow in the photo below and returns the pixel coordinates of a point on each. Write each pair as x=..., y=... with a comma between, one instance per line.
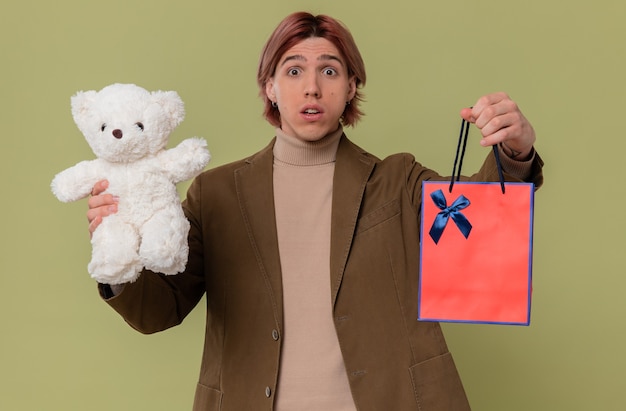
x=449, y=212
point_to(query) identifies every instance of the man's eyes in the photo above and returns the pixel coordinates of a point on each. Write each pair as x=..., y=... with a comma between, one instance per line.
x=327, y=71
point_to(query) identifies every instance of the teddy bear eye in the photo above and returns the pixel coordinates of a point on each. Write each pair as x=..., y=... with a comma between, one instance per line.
x=140, y=125
x=103, y=126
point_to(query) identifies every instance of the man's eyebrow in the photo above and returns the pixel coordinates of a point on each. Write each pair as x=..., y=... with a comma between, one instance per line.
x=300, y=57
x=292, y=58
x=330, y=57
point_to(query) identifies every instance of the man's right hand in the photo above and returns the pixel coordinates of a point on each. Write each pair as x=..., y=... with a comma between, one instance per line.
x=100, y=205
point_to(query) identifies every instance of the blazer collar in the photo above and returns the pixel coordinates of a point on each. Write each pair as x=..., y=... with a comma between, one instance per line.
x=255, y=193
x=352, y=171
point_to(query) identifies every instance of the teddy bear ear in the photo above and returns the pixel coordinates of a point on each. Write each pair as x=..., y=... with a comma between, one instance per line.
x=171, y=103
x=81, y=105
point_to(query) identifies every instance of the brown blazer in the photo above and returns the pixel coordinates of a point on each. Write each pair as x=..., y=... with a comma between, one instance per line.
x=393, y=361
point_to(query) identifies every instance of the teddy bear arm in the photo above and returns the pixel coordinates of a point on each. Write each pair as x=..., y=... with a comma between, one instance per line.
x=75, y=182
x=186, y=160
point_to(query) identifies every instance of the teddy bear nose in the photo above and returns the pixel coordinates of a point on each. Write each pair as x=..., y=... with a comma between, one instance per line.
x=117, y=133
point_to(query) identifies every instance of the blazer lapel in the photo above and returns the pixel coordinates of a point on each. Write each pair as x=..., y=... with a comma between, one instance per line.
x=352, y=171
x=254, y=183
x=255, y=192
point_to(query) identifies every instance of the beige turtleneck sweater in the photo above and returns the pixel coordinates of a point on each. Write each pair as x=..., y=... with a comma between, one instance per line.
x=312, y=373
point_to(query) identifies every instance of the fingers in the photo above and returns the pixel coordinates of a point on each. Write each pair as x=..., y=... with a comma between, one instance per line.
x=487, y=108
x=93, y=224
x=499, y=127
x=100, y=205
x=108, y=206
x=99, y=187
x=466, y=113
x=500, y=119
x=102, y=200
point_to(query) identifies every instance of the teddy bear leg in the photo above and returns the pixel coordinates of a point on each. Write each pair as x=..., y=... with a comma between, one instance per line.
x=114, y=258
x=164, y=246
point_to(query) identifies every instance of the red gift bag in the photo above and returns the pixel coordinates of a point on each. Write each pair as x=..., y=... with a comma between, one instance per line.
x=478, y=269
x=476, y=250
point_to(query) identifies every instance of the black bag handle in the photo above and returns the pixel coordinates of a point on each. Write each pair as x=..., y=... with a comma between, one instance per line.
x=460, y=153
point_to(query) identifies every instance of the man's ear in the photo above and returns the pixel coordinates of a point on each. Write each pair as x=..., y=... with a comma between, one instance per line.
x=269, y=90
x=351, y=88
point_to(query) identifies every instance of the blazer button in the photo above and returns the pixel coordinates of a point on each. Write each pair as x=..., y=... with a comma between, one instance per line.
x=275, y=335
x=268, y=392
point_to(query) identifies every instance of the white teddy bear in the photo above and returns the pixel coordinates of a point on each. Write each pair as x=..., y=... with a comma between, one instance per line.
x=127, y=128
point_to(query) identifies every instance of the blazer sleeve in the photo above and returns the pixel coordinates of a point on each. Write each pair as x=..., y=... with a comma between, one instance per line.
x=530, y=171
x=155, y=301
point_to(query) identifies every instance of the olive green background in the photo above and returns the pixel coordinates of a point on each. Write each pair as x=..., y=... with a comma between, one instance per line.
x=62, y=348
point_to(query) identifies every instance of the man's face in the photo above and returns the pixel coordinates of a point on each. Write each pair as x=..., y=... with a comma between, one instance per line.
x=311, y=87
